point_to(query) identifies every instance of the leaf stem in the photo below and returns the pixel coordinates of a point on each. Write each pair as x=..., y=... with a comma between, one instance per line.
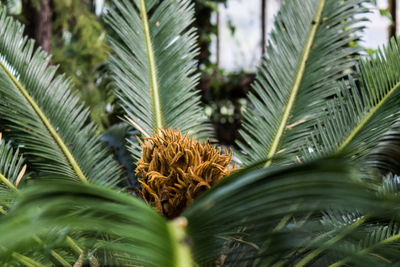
x=296, y=84
x=134, y=124
x=371, y=113
x=53, y=253
x=71, y=243
x=26, y=261
x=366, y=250
x=181, y=252
x=56, y=137
x=7, y=183
x=36, y=238
x=154, y=90
x=330, y=242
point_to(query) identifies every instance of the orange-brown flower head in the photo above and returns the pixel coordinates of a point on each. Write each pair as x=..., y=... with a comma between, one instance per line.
x=175, y=169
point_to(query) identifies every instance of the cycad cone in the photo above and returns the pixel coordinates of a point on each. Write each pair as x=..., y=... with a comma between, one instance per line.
x=175, y=169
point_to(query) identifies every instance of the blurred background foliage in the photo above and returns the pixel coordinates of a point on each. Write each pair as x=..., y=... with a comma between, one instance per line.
x=232, y=38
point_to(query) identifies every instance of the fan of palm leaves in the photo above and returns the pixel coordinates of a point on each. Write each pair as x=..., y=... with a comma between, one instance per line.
x=12, y=174
x=227, y=225
x=358, y=120
x=45, y=117
x=308, y=52
x=153, y=65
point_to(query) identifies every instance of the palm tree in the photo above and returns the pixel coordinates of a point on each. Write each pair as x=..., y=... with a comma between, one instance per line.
x=317, y=184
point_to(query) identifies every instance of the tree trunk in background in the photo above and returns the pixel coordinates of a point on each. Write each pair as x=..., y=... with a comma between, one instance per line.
x=393, y=12
x=263, y=26
x=43, y=30
x=38, y=22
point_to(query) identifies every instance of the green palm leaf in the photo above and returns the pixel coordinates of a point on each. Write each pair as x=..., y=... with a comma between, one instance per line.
x=132, y=232
x=309, y=50
x=381, y=241
x=153, y=65
x=228, y=224
x=12, y=173
x=386, y=155
x=234, y=219
x=359, y=121
x=225, y=220
x=360, y=116
x=45, y=117
x=377, y=239
x=11, y=167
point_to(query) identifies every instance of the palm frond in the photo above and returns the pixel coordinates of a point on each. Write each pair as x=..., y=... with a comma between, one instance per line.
x=382, y=242
x=12, y=173
x=308, y=52
x=45, y=117
x=104, y=219
x=385, y=156
x=238, y=215
x=390, y=185
x=153, y=65
x=360, y=116
x=376, y=237
x=226, y=226
x=12, y=168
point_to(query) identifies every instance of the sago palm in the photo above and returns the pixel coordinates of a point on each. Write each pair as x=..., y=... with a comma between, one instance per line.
x=316, y=183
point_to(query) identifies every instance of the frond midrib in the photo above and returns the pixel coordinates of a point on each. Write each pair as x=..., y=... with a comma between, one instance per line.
x=312, y=255
x=296, y=84
x=7, y=182
x=181, y=252
x=367, y=118
x=70, y=158
x=25, y=260
x=59, y=258
x=154, y=86
x=368, y=249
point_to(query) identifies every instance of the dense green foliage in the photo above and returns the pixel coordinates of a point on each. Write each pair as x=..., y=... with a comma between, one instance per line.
x=318, y=185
